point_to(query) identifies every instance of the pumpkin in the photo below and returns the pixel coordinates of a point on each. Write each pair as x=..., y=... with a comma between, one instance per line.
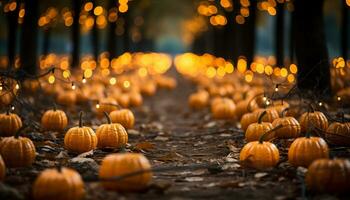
x=124, y=117
x=304, y=150
x=31, y=85
x=135, y=99
x=199, y=99
x=314, y=122
x=66, y=98
x=54, y=120
x=246, y=120
x=148, y=88
x=290, y=127
x=58, y=184
x=225, y=109
x=6, y=98
x=339, y=133
x=10, y=123
x=165, y=82
x=256, y=130
x=17, y=151
x=259, y=154
x=244, y=106
x=280, y=106
x=331, y=176
x=106, y=105
x=80, y=139
x=270, y=116
x=124, y=100
x=2, y=169
x=111, y=135
x=122, y=164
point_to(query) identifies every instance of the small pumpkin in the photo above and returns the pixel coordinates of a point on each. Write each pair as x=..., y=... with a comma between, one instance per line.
x=2, y=169
x=270, y=116
x=17, y=151
x=58, y=184
x=246, y=120
x=122, y=164
x=124, y=100
x=256, y=130
x=259, y=154
x=314, y=122
x=81, y=138
x=124, y=117
x=304, y=150
x=66, y=98
x=331, y=176
x=290, y=127
x=166, y=82
x=338, y=133
x=111, y=135
x=10, y=123
x=225, y=109
x=135, y=99
x=199, y=99
x=149, y=88
x=106, y=105
x=54, y=120
x=31, y=85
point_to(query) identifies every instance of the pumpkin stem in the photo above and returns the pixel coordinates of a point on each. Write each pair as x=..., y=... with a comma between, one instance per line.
x=262, y=137
x=107, y=116
x=284, y=112
x=261, y=116
x=19, y=131
x=81, y=119
x=8, y=111
x=54, y=106
x=59, y=168
x=311, y=108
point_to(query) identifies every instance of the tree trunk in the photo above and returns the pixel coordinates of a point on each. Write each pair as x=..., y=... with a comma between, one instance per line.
x=345, y=30
x=76, y=33
x=12, y=35
x=279, y=34
x=310, y=47
x=126, y=35
x=95, y=37
x=29, y=38
x=229, y=36
x=46, y=41
x=112, y=48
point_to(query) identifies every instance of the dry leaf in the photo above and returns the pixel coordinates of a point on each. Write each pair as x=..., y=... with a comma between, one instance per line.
x=146, y=146
x=260, y=175
x=193, y=179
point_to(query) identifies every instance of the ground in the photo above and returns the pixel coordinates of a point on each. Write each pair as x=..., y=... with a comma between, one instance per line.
x=170, y=134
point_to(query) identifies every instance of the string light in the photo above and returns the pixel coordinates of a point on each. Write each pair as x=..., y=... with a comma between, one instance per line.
x=276, y=89
x=83, y=80
x=338, y=98
x=268, y=102
x=12, y=107
x=320, y=103
x=73, y=86
x=17, y=86
x=0, y=86
x=97, y=105
x=264, y=98
x=113, y=81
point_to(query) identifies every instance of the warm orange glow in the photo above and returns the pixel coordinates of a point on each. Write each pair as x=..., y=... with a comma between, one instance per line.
x=240, y=19
x=98, y=10
x=241, y=65
x=88, y=6
x=293, y=68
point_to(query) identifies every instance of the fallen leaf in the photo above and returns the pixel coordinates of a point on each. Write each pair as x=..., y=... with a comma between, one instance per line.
x=260, y=175
x=210, y=124
x=172, y=156
x=146, y=146
x=161, y=138
x=85, y=154
x=193, y=179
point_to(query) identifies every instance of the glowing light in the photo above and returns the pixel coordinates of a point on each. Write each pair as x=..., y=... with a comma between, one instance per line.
x=268, y=70
x=293, y=68
x=284, y=72
x=83, y=80
x=51, y=79
x=112, y=81
x=142, y=72
x=97, y=105
x=17, y=86
x=88, y=6
x=241, y=65
x=126, y=84
x=73, y=86
x=87, y=73
x=98, y=10
x=338, y=98
x=248, y=77
x=291, y=78
x=320, y=103
x=66, y=73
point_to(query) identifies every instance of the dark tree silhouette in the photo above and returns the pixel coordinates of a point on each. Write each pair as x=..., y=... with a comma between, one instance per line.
x=310, y=47
x=279, y=34
x=29, y=38
x=345, y=30
x=12, y=33
x=76, y=33
x=112, y=48
x=95, y=40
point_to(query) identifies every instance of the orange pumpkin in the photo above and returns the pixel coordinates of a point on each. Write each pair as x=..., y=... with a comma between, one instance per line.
x=111, y=135
x=148, y=88
x=246, y=120
x=124, y=100
x=54, y=120
x=10, y=123
x=225, y=109
x=135, y=99
x=122, y=164
x=67, y=98
x=256, y=130
x=290, y=127
x=259, y=155
x=303, y=151
x=2, y=169
x=31, y=85
x=199, y=99
x=339, y=133
x=314, y=122
x=81, y=138
x=124, y=117
x=270, y=116
x=61, y=184
x=17, y=151
x=331, y=176
x=106, y=105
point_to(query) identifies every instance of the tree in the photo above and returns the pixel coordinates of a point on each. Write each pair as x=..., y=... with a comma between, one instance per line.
x=12, y=25
x=279, y=34
x=345, y=30
x=76, y=33
x=310, y=47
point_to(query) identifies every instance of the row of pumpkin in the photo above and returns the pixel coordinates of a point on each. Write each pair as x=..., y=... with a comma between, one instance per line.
x=263, y=119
